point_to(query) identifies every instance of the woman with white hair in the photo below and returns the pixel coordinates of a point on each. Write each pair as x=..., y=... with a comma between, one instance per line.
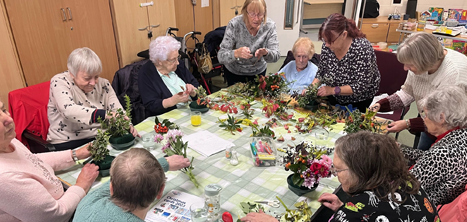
x=301, y=72
x=430, y=67
x=250, y=42
x=442, y=169
x=165, y=82
x=78, y=97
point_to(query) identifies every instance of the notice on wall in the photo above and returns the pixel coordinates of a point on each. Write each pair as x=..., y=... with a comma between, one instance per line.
x=204, y=3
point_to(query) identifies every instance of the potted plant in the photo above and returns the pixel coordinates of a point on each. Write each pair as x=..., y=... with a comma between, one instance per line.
x=202, y=103
x=118, y=127
x=100, y=153
x=308, y=165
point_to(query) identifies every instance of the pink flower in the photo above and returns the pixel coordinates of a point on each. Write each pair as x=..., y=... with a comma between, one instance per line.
x=325, y=160
x=166, y=146
x=158, y=138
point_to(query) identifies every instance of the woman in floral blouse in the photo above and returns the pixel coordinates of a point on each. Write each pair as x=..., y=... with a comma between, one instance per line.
x=348, y=64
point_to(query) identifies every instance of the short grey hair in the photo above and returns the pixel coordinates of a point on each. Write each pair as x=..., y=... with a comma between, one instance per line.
x=306, y=43
x=450, y=101
x=422, y=50
x=137, y=178
x=160, y=48
x=84, y=59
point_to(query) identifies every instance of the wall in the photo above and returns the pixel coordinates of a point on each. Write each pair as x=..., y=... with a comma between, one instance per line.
x=386, y=8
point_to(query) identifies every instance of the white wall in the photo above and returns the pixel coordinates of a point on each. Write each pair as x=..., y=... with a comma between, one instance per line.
x=386, y=8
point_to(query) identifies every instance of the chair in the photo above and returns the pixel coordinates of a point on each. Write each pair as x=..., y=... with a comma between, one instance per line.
x=393, y=77
x=28, y=108
x=315, y=59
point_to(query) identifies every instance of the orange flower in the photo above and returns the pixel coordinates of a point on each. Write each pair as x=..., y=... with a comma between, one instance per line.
x=273, y=87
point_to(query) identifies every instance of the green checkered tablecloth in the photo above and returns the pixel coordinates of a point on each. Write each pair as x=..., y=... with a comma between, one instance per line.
x=240, y=183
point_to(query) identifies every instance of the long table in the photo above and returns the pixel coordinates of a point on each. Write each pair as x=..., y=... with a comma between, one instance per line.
x=241, y=183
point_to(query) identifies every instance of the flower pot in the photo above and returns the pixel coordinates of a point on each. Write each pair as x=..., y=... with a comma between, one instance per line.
x=104, y=165
x=299, y=190
x=313, y=105
x=195, y=107
x=122, y=142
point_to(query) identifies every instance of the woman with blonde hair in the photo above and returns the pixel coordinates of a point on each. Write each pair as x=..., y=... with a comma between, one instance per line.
x=301, y=72
x=250, y=42
x=430, y=67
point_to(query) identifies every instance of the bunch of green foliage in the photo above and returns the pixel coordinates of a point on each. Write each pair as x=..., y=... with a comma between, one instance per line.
x=310, y=95
x=98, y=147
x=264, y=132
x=119, y=123
x=357, y=121
x=231, y=124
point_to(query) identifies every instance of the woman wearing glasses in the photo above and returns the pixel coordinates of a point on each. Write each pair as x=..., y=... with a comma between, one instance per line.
x=250, y=41
x=301, y=72
x=165, y=82
x=441, y=169
x=371, y=168
x=347, y=65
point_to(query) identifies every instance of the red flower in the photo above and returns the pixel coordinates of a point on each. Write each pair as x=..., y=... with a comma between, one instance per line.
x=316, y=168
x=273, y=87
x=239, y=129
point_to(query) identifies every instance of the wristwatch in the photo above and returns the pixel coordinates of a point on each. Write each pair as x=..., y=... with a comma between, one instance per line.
x=337, y=90
x=73, y=154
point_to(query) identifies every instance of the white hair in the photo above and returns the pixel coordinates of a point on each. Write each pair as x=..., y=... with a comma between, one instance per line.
x=84, y=59
x=160, y=48
x=451, y=102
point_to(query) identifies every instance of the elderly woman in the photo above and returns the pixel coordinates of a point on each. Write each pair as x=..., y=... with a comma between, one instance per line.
x=30, y=190
x=380, y=186
x=430, y=67
x=137, y=179
x=165, y=82
x=301, y=72
x=78, y=97
x=441, y=169
x=347, y=65
x=250, y=41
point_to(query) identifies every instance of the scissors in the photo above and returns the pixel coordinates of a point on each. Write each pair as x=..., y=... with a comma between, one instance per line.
x=272, y=203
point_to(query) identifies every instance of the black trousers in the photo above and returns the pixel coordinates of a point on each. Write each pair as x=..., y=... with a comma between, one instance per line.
x=362, y=105
x=233, y=78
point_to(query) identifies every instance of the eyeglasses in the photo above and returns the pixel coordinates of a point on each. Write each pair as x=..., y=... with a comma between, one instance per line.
x=299, y=57
x=175, y=60
x=252, y=15
x=334, y=38
x=334, y=171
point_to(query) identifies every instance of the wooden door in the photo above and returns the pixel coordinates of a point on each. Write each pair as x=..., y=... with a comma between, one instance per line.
x=91, y=27
x=10, y=71
x=128, y=17
x=202, y=19
x=162, y=14
x=228, y=9
x=39, y=32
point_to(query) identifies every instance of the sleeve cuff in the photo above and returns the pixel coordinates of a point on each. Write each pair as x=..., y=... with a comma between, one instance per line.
x=163, y=162
x=96, y=114
x=384, y=105
x=417, y=125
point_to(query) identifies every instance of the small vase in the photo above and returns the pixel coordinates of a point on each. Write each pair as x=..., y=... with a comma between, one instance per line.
x=299, y=190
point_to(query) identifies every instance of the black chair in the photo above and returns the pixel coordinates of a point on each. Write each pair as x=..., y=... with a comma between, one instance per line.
x=314, y=59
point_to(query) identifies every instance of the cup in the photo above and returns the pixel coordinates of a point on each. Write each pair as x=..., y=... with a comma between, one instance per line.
x=321, y=136
x=148, y=140
x=195, y=118
x=199, y=212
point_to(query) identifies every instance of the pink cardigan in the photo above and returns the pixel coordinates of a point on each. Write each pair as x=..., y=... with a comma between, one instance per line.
x=29, y=189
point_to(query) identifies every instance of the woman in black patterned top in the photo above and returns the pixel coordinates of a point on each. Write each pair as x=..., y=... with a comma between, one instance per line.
x=348, y=64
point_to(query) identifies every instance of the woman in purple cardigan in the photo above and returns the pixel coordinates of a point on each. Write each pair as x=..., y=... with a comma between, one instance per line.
x=165, y=82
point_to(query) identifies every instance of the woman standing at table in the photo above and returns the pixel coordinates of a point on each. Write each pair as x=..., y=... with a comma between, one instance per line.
x=165, y=82
x=430, y=66
x=381, y=187
x=250, y=41
x=29, y=189
x=347, y=64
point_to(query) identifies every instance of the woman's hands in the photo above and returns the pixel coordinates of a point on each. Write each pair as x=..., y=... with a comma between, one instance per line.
x=87, y=176
x=177, y=162
x=325, y=91
x=330, y=201
x=397, y=126
x=83, y=152
x=260, y=217
x=375, y=107
x=243, y=53
x=190, y=90
x=261, y=52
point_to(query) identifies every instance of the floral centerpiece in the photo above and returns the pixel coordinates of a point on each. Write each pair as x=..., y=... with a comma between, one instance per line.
x=271, y=86
x=308, y=165
x=309, y=98
x=174, y=145
x=357, y=121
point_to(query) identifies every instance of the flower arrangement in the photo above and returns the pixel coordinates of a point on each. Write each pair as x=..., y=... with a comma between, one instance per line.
x=98, y=148
x=174, y=145
x=203, y=99
x=308, y=164
x=271, y=86
x=310, y=96
x=164, y=126
x=357, y=121
x=118, y=123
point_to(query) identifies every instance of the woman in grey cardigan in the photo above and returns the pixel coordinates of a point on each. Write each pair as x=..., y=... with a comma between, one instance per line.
x=250, y=41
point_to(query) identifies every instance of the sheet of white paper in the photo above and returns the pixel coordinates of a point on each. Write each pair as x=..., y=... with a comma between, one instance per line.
x=378, y=98
x=206, y=143
x=204, y=3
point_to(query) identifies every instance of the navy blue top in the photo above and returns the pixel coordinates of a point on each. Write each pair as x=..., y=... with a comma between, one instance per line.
x=154, y=91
